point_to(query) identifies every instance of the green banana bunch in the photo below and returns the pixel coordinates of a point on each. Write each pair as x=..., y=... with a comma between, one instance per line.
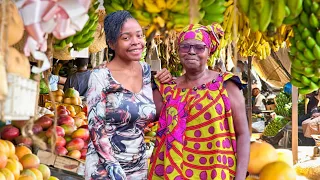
x=305, y=49
x=213, y=11
x=83, y=38
x=117, y=5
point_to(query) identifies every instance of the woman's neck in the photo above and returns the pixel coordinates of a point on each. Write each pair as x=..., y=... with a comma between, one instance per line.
x=123, y=65
x=195, y=75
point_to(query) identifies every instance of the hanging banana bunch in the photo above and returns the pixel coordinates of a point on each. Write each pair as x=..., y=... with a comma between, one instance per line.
x=156, y=15
x=305, y=48
x=84, y=38
x=268, y=14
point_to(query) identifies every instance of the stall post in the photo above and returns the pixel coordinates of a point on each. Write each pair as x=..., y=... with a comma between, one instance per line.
x=249, y=94
x=294, y=124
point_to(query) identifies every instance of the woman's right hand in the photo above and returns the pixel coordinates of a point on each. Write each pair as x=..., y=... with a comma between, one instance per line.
x=164, y=76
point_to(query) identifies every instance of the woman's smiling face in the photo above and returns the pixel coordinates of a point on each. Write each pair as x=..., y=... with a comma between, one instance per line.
x=193, y=54
x=130, y=43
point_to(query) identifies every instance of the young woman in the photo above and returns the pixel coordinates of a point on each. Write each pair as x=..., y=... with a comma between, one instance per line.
x=120, y=103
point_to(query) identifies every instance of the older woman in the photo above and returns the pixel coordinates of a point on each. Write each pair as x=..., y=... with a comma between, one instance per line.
x=120, y=104
x=203, y=130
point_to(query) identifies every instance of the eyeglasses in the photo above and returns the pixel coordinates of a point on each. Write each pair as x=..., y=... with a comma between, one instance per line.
x=198, y=48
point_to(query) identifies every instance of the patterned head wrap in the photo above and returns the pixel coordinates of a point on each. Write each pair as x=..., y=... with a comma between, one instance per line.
x=210, y=35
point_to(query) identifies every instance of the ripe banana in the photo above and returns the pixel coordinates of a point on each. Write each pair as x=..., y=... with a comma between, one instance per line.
x=151, y=6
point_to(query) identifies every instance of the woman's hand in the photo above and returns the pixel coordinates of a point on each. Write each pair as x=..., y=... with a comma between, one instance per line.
x=164, y=76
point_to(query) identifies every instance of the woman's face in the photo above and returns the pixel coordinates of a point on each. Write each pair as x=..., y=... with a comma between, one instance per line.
x=130, y=43
x=193, y=54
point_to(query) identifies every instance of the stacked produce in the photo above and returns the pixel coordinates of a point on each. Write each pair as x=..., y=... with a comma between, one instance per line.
x=268, y=163
x=267, y=14
x=156, y=14
x=309, y=169
x=305, y=49
x=72, y=132
x=255, y=37
x=71, y=96
x=151, y=129
x=18, y=163
x=274, y=127
x=84, y=38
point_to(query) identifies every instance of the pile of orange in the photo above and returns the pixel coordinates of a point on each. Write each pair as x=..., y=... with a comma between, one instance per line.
x=18, y=163
x=269, y=163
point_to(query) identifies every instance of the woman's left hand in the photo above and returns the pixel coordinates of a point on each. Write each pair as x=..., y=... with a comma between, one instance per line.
x=164, y=76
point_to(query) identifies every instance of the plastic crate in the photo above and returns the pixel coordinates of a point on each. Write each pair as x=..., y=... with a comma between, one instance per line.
x=21, y=98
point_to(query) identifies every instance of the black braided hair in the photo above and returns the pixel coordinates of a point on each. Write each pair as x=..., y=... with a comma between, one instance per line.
x=113, y=23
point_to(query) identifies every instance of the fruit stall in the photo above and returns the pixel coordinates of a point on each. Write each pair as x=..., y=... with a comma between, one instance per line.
x=44, y=133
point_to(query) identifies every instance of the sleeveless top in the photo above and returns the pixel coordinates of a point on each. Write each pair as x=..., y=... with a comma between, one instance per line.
x=196, y=137
x=116, y=119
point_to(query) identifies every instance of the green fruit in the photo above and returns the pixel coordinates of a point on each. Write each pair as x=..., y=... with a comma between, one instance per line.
x=308, y=72
x=69, y=39
x=306, y=81
x=314, y=7
x=300, y=56
x=315, y=79
x=313, y=86
x=318, y=37
x=86, y=44
x=308, y=54
x=293, y=50
x=297, y=64
x=305, y=90
x=299, y=28
x=304, y=18
x=294, y=74
x=306, y=64
x=316, y=52
x=77, y=38
x=300, y=45
x=287, y=11
x=307, y=6
x=306, y=33
x=310, y=42
x=297, y=83
x=313, y=20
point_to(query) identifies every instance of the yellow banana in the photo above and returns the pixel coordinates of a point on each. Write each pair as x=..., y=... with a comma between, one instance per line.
x=181, y=7
x=159, y=20
x=137, y=5
x=230, y=22
x=171, y=3
x=161, y=4
x=228, y=3
x=151, y=7
x=153, y=28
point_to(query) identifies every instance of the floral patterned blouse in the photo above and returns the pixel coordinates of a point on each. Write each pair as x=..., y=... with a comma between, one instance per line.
x=117, y=118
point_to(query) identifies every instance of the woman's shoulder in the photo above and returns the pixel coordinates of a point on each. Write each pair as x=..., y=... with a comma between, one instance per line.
x=228, y=76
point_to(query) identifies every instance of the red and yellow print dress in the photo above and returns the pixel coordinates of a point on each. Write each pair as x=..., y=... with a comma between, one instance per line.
x=196, y=137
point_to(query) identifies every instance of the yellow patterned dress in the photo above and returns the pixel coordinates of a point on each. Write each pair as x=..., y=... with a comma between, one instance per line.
x=196, y=136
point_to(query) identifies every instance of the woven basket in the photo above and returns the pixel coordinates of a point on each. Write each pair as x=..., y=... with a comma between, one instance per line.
x=63, y=54
x=99, y=42
x=20, y=45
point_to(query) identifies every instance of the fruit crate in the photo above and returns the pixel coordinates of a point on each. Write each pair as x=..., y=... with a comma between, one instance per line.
x=21, y=102
x=76, y=107
x=66, y=163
